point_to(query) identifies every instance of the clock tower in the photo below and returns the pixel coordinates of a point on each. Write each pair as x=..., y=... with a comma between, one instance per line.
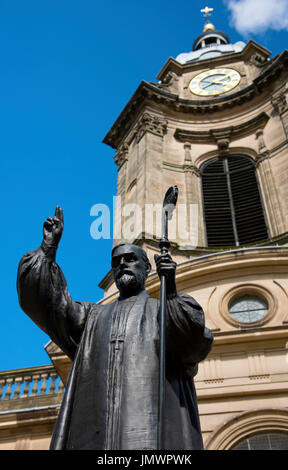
x=215, y=123
x=215, y=115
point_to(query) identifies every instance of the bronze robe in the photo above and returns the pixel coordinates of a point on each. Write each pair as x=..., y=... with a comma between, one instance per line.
x=111, y=398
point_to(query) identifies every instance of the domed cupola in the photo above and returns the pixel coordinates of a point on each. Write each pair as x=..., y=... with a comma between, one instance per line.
x=210, y=43
x=210, y=37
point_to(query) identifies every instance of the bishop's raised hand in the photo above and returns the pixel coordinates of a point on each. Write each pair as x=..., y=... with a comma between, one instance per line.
x=53, y=229
x=167, y=267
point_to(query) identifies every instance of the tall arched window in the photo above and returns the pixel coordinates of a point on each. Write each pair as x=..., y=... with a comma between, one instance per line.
x=233, y=210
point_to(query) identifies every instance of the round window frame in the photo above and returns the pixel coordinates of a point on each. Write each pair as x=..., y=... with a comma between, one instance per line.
x=241, y=291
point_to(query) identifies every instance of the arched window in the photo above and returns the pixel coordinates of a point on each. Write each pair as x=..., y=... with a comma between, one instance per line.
x=271, y=441
x=233, y=210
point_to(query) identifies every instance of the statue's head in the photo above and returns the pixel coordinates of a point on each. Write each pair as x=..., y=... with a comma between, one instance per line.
x=130, y=267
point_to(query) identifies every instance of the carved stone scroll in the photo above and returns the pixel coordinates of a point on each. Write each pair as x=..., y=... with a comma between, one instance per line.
x=150, y=123
x=122, y=155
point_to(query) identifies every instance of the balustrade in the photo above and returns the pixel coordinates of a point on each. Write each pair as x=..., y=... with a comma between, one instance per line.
x=31, y=383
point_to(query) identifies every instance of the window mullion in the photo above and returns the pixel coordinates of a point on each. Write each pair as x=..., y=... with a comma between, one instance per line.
x=226, y=170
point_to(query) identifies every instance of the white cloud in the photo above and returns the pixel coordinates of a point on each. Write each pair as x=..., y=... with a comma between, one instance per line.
x=257, y=16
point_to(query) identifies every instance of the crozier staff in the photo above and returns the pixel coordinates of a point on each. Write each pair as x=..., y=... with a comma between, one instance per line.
x=111, y=398
x=169, y=205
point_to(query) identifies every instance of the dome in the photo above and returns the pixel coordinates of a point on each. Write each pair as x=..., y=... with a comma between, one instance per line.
x=210, y=43
x=210, y=37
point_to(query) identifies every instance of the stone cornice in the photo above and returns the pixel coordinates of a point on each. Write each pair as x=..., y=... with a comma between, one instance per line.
x=255, y=335
x=154, y=95
x=215, y=265
x=230, y=132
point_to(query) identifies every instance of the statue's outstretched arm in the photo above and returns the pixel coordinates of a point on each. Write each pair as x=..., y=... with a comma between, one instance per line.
x=43, y=294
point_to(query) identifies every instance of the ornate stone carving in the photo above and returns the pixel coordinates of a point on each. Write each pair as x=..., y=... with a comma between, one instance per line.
x=263, y=152
x=261, y=143
x=122, y=154
x=223, y=146
x=280, y=102
x=257, y=59
x=169, y=79
x=150, y=123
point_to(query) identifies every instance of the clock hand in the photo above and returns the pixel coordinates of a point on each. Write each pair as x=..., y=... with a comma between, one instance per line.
x=215, y=82
x=209, y=84
x=219, y=81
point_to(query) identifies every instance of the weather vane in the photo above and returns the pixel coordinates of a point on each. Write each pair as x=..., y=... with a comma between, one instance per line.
x=206, y=12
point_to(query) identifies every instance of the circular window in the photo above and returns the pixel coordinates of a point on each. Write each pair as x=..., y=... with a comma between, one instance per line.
x=248, y=308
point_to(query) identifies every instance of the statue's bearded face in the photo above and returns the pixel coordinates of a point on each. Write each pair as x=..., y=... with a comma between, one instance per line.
x=129, y=269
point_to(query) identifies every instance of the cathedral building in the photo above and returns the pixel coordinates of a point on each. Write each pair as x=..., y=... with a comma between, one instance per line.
x=216, y=124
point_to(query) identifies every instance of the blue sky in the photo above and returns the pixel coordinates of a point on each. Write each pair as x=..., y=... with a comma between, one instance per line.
x=67, y=70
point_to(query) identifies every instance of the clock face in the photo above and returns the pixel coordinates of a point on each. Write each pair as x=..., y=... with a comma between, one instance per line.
x=214, y=82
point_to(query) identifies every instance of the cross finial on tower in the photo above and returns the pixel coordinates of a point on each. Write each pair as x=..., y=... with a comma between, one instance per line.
x=206, y=11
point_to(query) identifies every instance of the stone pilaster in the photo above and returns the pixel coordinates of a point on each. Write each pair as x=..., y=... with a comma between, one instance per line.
x=140, y=165
x=280, y=104
x=269, y=192
x=121, y=160
x=193, y=191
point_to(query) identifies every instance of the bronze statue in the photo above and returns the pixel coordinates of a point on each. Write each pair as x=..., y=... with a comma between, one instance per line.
x=111, y=398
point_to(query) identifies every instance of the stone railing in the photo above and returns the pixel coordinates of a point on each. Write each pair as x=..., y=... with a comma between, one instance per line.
x=29, y=388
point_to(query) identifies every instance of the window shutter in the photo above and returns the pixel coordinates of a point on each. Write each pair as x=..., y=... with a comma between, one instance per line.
x=249, y=215
x=232, y=205
x=216, y=203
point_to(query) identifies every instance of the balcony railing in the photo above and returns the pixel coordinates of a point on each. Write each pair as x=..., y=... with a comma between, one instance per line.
x=30, y=388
